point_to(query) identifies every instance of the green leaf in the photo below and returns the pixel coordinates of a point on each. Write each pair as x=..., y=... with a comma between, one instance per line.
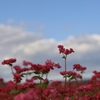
x=36, y=72
x=71, y=78
x=64, y=57
x=45, y=72
x=64, y=76
x=67, y=76
x=82, y=72
x=14, y=91
x=38, y=77
x=22, y=75
x=10, y=64
x=27, y=73
x=72, y=97
x=44, y=85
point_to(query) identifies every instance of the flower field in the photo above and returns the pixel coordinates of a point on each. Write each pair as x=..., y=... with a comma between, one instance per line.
x=39, y=87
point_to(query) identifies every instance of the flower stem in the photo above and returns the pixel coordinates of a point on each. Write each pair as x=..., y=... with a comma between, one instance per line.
x=11, y=69
x=65, y=71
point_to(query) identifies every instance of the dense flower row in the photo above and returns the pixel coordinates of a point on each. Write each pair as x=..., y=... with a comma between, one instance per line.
x=38, y=87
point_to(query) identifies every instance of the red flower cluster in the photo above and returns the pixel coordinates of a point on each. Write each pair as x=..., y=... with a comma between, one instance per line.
x=96, y=75
x=17, y=78
x=49, y=65
x=1, y=80
x=30, y=95
x=78, y=67
x=43, y=89
x=71, y=73
x=26, y=63
x=64, y=51
x=27, y=84
x=85, y=88
x=18, y=69
x=9, y=61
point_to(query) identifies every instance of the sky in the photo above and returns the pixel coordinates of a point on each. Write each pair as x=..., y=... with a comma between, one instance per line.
x=32, y=29
x=53, y=18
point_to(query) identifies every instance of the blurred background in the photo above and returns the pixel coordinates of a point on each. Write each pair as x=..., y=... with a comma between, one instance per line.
x=31, y=30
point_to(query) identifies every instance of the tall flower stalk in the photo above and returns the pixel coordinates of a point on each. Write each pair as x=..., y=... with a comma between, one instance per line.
x=65, y=52
x=65, y=61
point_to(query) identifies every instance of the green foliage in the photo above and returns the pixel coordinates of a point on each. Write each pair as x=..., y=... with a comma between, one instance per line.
x=38, y=77
x=14, y=92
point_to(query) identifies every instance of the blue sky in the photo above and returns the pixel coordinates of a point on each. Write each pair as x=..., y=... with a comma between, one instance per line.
x=53, y=18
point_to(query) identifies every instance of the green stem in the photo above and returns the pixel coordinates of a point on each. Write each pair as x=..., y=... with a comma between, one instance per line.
x=12, y=69
x=46, y=75
x=40, y=86
x=65, y=71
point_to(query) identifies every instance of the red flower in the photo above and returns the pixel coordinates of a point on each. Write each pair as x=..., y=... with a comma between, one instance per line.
x=64, y=51
x=26, y=63
x=9, y=61
x=57, y=65
x=17, y=68
x=71, y=73
x=63, y=73
x=17, y=78
x=30, y=95
x=61, y=48
x=68, y=51
x=1, y=80
x=49, y=65
x=78, y=67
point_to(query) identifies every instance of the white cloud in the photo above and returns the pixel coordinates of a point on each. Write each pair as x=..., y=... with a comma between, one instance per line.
x=18, y=43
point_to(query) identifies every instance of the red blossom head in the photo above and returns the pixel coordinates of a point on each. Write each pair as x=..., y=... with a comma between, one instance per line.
x=9, y=61
x=1, y=80
x=78, y=67
x=63, y=73
x=17, y=78
x=61, y=48
x=26, y=63
x=17, y=68
x=64, y=51
x=71, y=73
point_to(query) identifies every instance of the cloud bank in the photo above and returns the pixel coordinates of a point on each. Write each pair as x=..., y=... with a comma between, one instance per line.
x=16, y=42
